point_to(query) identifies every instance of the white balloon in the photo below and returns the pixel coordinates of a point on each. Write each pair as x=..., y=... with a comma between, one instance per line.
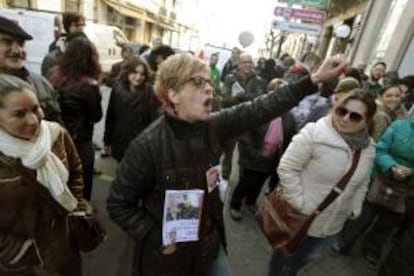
x=246, y=38
x=342, y=31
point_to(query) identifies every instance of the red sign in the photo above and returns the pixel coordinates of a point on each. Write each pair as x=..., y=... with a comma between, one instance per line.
x=308, y=15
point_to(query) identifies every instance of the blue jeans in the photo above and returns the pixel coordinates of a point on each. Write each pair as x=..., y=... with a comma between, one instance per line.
x=289, y=265
x=221, y=266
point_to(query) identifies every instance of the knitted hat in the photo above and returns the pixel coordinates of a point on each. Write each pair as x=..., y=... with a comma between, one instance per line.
x=9, y=27
x=346, y=84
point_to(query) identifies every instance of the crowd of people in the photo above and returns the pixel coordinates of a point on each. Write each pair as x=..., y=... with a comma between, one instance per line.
x=298, y=125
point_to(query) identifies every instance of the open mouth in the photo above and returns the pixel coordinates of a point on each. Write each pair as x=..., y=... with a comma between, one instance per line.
x=208, y=103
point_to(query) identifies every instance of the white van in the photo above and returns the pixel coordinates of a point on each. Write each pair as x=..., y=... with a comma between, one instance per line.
x=40, y=25
x=108, y=41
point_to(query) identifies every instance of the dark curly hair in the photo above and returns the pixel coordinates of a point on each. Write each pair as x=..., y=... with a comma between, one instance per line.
x=79, y=61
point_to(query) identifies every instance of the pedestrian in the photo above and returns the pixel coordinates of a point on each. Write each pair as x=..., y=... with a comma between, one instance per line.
x=332, y=90
x=259, y=154
x=72, y=23
x=388, y=102
x=317, y=158
x=158, y=55
x=394, y=163
x=407, y=88
x=126, y=53
x=76, y=79
x=132, y=107
x=372, y=84
x=214, y=72
x=231, y=64
x=41, y=181
x=12, y=62
x=399, y=260
x=242, y=85
x=176, y=152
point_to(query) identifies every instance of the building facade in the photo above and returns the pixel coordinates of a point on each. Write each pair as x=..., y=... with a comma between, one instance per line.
x=140, y=20
x=387, y=35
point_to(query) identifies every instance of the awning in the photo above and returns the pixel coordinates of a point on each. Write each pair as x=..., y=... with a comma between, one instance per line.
x=127, y=10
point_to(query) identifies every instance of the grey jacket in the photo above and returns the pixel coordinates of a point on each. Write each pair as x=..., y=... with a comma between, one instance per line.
x=47, y=96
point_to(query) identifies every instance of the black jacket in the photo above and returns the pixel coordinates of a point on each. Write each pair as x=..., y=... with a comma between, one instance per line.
x=251, y=146
x=400, y=259
x=129, y=113
x=81, y=108
x=173, y=154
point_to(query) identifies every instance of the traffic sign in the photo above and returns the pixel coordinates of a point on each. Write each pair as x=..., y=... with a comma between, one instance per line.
x=311, y=29
x=322, y=4
x=303, y=14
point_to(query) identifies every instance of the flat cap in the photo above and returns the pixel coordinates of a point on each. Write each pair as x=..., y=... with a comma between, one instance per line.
x=9, y=27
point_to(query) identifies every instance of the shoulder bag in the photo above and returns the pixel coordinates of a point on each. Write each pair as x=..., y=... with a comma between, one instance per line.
x=285, y=227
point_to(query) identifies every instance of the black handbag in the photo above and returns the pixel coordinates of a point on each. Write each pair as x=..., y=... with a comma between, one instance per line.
x=85, y=230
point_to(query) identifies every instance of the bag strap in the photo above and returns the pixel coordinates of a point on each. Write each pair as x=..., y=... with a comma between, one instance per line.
x=341, y=185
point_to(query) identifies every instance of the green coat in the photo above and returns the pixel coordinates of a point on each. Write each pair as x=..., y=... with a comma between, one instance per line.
x=396, y=147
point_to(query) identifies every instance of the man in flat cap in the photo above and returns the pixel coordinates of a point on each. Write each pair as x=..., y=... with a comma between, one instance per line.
x=12, y=61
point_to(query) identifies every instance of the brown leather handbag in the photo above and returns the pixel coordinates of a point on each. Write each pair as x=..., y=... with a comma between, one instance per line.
x=283, y=226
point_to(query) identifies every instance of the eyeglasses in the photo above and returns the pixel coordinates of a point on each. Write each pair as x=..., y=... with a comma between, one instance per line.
x=353, y=116
x=200, y=82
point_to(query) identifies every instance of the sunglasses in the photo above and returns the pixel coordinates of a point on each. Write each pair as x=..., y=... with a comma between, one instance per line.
x=200, y=82
x=353, y=116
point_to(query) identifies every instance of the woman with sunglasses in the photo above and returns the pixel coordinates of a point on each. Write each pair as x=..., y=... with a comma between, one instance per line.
x=388, y=102
x=317, y=158
x=132, y=107
x=179, y=153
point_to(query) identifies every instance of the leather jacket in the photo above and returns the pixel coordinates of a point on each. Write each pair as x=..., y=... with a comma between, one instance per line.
x=81, y=108
x=172, y=154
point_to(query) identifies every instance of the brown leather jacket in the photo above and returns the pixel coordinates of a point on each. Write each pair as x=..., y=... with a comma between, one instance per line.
x=25, y=214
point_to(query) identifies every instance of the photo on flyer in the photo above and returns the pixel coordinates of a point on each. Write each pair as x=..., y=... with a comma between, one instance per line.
x=182, y=212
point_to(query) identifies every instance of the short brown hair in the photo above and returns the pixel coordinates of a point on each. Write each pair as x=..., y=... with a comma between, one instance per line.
x=174, y=72
x=130, y=65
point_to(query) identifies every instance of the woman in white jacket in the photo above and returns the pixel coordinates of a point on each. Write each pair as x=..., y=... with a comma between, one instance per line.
x=317, y=158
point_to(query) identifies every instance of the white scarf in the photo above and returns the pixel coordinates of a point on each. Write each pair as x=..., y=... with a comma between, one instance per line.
x=37, y=155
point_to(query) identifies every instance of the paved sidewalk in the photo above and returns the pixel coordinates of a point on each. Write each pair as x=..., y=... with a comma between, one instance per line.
x=249, y=252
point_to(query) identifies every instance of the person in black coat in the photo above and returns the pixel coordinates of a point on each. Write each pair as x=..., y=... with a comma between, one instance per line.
x=132, y=107
x=177, y=152
x=76, y=79
x=257, y=163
